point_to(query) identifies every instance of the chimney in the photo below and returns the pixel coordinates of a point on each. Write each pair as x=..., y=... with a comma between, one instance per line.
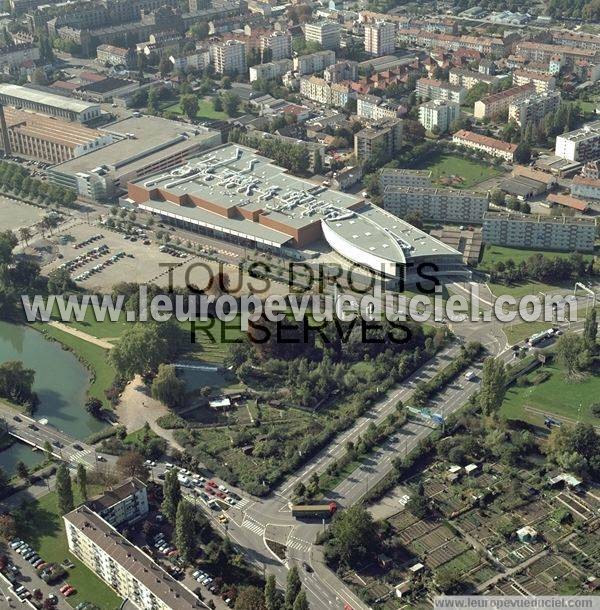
x=4, y=141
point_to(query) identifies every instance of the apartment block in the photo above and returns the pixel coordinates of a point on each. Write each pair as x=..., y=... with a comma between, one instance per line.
x=131, y=573
x=279, y=43
x=313, y=62
x=15, y=55
x=385, y=135
x=438, y=114
x=108, y=54
x=497, y=103
x=532, y=110
x=48, y=139
x=437, y=205
x=380, y=38
x=564, y=233
x=229, y=57
x=433, y=89
x=490, y=146
x=404, y=177
x=578, y=40
x=541, y=82
x=586, y=188
x=196, y=60
x=543, y=53
x=460, y=77
x=124, y=503
x=270, y=70
x=326, y=33
x=374, y=108
x=580, y=145
x=341, y=71
x=320, y=91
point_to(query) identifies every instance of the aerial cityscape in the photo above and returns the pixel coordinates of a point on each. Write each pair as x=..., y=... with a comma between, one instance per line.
x=298, y=304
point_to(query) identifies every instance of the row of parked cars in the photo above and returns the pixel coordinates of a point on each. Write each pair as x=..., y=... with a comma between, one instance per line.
x=97, y=268
x=173, y=251
x=205, y=488
x=83, y=259
x=207, y=581
x=87, y=241
x=163, y=547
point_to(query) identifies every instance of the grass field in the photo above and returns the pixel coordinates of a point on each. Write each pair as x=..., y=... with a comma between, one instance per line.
x=205, y=110
x=495, y=254
x=556, y=396
x=93, y=356
x=518, y=332
x=42, y=527
x=444, y=165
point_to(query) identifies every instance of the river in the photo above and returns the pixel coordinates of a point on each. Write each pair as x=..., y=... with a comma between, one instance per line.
x=61, y=383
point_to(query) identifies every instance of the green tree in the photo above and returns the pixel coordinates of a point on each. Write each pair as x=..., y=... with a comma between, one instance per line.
x=185, y=534
x=318, y=164
x=82, y=481
x=523, y=153
x=94, y=406
x=144, y=346
x=353, y=536
x=590, y=330
x=189, y=105
x=22, y=470
x=493, y=385
x=164, y=65
x=301, y=603
x=217, y=104
x=250, y=598
x=60, y=282
x=16, y=383
x=131, y=464
x=272, y=597
x=231, y=103
x=293, y=587
x=569, y=351
x=171, y=495
x=64, y=490
x=167, y=387
x=48, y=450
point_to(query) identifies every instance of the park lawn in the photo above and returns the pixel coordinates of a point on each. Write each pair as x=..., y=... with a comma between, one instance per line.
x=105, y=329
x=95, y=357
x=210, y=340
x=556, y=396
x=45, y=532
x=444, y=165
x=519, y=290
x=518, y=332
x=205, y=110
x=495, y=254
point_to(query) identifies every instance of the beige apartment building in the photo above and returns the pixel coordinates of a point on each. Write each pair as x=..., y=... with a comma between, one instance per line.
x=532, y=110
x=279, y=43
x=229, y=57
x=541, y=82
x=461, y=77
x=386, y=134
x=490, y=146
x=497, y=103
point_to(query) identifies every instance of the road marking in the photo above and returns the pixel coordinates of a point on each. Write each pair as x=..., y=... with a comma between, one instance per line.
x=253, y=526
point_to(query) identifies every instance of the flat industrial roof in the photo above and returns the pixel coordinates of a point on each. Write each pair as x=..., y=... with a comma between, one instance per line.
x=49, y=99
x=236, y=176
x=382, y=234
x=149, y=139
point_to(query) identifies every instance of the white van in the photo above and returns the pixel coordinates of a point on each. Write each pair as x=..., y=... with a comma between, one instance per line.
x=469, y=375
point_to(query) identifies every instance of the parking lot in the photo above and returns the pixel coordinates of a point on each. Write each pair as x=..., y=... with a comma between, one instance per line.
x=98, y=258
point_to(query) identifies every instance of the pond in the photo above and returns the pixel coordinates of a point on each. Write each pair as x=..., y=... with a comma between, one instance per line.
x=61, y=382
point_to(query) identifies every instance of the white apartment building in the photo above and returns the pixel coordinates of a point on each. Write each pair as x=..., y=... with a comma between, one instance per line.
x=533, y=109
x=433, y=89
x=437, y=205
x=341, y=71
x=580, y=145
x=195, y=60
x=438, y=114
x=131, y=573
x=380, y=38
x=229, y=57
x=374, y=108
x=469, y=78
x=313, y=62
x=125, y=503
x=326, y=33
x=319, y=90
x=563, y=233
x=404, y=177
x=586, y=188
x=270, y=70
x=279, y=43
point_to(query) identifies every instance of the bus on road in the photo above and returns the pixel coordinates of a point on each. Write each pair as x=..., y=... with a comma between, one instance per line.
x=306, y=511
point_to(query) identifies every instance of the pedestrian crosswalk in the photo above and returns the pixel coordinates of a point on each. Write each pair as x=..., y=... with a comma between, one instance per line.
x=298, y=544
x=84, y=456
x=242, y=503
x=253, y=526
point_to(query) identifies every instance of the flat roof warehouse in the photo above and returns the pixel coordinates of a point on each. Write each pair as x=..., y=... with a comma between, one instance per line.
x=234, y=192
